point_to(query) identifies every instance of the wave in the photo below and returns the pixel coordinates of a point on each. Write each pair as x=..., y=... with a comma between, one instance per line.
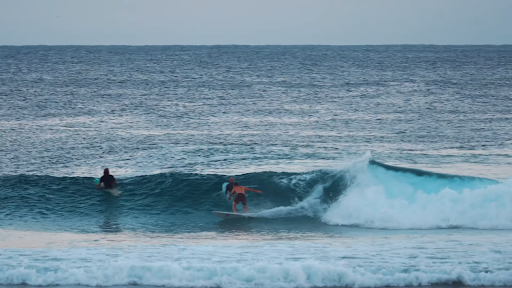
x=288, y=274
x=266, y=264
x=366, y=193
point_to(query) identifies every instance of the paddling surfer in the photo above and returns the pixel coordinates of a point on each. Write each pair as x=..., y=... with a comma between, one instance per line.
x=229, y=187
x=108, y=180
x=240, y=196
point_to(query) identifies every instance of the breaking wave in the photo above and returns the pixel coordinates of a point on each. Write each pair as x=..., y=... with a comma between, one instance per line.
x=366, y=193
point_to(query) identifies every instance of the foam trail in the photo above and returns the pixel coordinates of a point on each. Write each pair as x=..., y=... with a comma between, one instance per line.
x=311, y=206
x=380, y=198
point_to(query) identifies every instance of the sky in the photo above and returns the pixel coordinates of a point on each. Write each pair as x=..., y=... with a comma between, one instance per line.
x=251, y=22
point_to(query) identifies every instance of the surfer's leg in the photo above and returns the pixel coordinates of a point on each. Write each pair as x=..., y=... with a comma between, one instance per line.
x=244, y=203
x=234, y=206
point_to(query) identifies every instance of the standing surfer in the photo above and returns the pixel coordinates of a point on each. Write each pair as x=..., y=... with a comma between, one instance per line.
x=108, y=180
x=240, y=196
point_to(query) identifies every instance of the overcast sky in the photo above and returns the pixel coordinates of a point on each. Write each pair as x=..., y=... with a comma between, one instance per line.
x=207, y=22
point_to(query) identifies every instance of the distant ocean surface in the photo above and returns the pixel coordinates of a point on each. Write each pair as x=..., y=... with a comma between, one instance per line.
x=379, y=165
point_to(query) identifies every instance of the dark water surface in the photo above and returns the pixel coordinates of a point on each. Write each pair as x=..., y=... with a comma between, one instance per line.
x=70, y=110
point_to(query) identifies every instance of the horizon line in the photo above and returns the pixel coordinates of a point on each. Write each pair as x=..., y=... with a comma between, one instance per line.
x=207, y=45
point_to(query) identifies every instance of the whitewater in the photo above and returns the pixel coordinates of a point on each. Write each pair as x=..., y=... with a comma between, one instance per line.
x=379, y=165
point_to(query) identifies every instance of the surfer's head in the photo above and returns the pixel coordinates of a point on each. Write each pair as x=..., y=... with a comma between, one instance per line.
x=235, y=184
x=231, y=179
x=106, y=172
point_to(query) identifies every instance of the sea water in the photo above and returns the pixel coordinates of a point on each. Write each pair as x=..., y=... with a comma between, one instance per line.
x=379, y=165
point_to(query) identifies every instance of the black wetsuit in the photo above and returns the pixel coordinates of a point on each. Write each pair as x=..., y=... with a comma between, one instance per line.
x=229, y=187
x=108, y=181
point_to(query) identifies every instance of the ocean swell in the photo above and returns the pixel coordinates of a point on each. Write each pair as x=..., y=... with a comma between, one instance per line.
x=366, y=193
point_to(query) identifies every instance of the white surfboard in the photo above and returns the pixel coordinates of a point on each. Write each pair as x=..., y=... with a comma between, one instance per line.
x=224, y=189
x=113, y=191
x=231, y=215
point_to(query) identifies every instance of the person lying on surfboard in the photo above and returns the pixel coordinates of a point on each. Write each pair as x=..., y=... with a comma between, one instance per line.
x=108, y=180
x=240, y=196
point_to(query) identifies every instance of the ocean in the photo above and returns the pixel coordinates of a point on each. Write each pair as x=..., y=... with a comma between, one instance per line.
x=379, y=165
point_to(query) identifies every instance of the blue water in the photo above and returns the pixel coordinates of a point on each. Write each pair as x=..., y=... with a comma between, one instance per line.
x=379, y=165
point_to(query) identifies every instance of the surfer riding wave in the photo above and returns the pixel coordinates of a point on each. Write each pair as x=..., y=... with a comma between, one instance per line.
x=240, y=196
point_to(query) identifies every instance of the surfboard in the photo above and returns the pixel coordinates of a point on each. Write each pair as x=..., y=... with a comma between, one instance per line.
x=231, y=215
x=112, y=191
x=224, y=189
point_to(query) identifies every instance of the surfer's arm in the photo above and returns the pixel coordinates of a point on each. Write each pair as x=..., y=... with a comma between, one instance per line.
x=232, y=192
x=99, y=185
x=253, y=190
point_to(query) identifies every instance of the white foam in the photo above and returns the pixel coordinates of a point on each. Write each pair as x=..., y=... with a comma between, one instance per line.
x=381, y=198
x=363, y=260
x=306, y=274
x=311, y=206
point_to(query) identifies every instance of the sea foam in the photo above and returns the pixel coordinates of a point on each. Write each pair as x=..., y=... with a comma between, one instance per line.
x=382, y=198
x=193, y=269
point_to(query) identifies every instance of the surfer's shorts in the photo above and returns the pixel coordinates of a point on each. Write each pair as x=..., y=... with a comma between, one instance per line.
x=240, y=197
